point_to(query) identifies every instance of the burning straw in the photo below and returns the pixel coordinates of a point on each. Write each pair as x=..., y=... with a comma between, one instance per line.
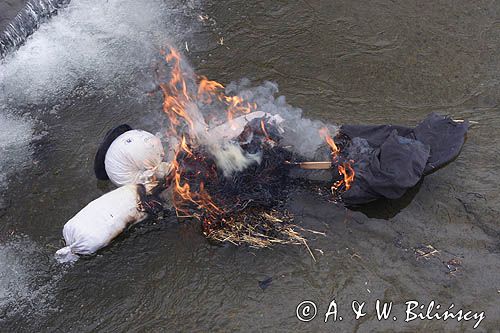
x=236, y=187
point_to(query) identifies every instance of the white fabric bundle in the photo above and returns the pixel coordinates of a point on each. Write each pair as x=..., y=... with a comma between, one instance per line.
x=96, y=225
x=133, y=157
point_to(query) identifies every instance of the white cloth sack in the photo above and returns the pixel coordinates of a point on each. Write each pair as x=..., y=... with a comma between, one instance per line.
x=133, y=157
x=96, y=225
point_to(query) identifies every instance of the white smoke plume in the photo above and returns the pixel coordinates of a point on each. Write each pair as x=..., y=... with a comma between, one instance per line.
x=300, y=133
x=207, y=115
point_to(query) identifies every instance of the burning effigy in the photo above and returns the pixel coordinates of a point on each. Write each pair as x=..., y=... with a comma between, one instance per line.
x=227, y=159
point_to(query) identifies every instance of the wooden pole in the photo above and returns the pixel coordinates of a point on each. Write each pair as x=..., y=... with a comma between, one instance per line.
x=324, y=165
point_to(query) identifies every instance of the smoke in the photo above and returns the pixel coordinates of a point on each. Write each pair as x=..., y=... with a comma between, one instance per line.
x=299, y=133
x=230, y=158
x=214, y=119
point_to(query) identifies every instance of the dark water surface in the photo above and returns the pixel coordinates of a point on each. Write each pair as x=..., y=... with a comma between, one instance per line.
x=340, y=61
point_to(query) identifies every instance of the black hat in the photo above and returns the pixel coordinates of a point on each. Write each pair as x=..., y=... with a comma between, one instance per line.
x=100, y=156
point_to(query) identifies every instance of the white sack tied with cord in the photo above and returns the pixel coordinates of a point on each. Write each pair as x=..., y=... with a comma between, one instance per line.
x=134, y=157
x=98, y=223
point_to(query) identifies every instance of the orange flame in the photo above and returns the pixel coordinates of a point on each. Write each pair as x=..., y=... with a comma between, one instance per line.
x=207, y=89
x=345, y=169
x=263, y=127
x=325, y=134
x=183, y=195
x=347, y=172
x=184, y=146
x=178, y=100
x=236, y=106
x=175, y=95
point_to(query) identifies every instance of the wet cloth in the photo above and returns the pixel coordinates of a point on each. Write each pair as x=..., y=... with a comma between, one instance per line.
x=389, y=159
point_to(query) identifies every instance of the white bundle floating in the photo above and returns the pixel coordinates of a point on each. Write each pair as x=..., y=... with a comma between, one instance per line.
x=98, y=223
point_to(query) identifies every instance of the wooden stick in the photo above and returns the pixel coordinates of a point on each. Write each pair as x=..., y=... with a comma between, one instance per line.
x=324, y=165
x=472, y=122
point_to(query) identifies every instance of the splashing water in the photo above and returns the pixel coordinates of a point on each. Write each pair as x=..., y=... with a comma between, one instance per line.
x=26, y=279
x=102, y=44
x=15, y=136
x=34, y=13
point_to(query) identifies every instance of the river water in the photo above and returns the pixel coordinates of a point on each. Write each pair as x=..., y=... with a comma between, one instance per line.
x=90, y=68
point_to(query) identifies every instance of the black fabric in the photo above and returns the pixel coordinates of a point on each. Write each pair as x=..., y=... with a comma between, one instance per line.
x=444, y=136
x=388, y=159
x=111, y=135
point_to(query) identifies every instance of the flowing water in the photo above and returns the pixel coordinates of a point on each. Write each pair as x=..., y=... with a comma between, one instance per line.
x=90, y=67
x=27, y=21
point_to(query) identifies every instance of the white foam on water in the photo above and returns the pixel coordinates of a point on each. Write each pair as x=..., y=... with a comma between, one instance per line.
x=26, y=280
x=15, y=136
x=91, y=41
x=26, y=22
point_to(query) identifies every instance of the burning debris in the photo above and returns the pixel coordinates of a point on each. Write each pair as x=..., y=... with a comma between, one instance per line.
x=230, y=179
x=344, y=167
x=232, y=184
x=231, y=150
